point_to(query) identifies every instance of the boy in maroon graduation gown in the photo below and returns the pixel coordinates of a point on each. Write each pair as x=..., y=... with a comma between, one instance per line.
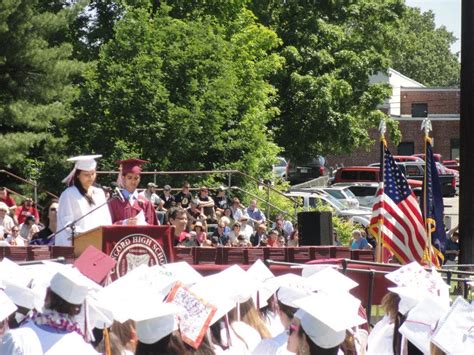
x=126, y=211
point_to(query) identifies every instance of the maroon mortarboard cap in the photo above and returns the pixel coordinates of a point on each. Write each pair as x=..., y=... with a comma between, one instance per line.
x=94, y=264
x=132, y=166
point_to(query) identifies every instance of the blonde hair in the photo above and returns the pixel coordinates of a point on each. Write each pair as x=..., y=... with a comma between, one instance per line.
x=250, y=316
x=390, y=304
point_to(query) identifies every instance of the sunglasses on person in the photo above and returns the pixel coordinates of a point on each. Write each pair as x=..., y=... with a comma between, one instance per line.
x=15, y=230
x=293, y=328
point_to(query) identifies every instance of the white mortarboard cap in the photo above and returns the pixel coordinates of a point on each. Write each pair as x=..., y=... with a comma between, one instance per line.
x=329, y=279
x=156, y=321
x=100, y=316
x=338, y=311
x=408, y=275
x=11, y=271
x=455, y=331
x=82, y=162
x=183, y=272
x=210, y=289
x=259, y=271
x=7, y=306
x=288, y=295
x=23, y=296
x=421, y=322
x=70, y=286
x=237, y=282
x=318, y=332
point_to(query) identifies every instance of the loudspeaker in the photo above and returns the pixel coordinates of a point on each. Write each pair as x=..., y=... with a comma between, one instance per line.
x=315, y=228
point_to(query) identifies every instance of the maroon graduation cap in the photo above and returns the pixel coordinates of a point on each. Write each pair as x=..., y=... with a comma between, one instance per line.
x=132, y=165
x=94, y=264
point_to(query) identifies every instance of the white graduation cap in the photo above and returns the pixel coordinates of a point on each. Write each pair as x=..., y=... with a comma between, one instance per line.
x=261, y=273
x=455, y=331
x=421, y=322
x=7, y=306
x=70, y=285
x=288, y=295
x=23, y=296
x=155, y=321
x=183, y=272
x=329, y=279
x=237, y=282
x=319, y=333
x=211, y=290
x=11, y=271
x=339, y=311
x=82, y=162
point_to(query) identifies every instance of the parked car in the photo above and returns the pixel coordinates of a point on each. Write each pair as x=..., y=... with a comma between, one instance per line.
x=279, y=169
x=451, y=164
x=436, y=156
x=341, y=193
x=416, y=171
x=365, y=192
x=302, y=172
x=313, y=200
x=403, y=158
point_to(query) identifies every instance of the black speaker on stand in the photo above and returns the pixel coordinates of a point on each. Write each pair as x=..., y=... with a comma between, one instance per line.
x=315, y=228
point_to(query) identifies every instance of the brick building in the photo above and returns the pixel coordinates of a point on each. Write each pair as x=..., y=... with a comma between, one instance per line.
x=409, y=104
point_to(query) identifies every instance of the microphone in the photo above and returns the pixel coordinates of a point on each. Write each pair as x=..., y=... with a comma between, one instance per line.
x=117, y=192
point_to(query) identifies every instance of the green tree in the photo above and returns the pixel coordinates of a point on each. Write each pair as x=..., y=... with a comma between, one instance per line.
x=331, y=47
x=423, y=52
x=183, y=93
x=36, y=84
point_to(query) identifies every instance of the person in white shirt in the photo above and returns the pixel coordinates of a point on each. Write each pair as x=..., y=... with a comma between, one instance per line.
x=5, y=220
x=80, y=198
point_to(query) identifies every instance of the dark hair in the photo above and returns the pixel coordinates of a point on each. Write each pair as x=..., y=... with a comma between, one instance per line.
x=289, y=311
x=116, y=347
x=173, y=345
x=175, y=212
x=55, y=302
x=45, y=213
x=81, y=189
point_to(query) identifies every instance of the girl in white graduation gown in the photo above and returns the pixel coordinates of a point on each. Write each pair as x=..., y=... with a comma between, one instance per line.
x=80, y=198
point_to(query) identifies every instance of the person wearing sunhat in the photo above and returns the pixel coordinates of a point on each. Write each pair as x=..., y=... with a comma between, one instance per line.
x=79, y=198
x=134, y=209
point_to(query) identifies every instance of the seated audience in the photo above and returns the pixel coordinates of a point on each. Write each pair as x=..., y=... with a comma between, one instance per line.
x=358, y=241
x=254, y=213
x=26, y=209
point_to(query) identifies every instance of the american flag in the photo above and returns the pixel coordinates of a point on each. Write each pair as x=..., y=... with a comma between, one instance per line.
x=397, y=211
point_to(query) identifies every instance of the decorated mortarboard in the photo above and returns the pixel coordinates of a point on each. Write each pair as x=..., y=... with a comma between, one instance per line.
x=455, y=331
x=197, y=315
x=154, y=321
x=82, y=162
x=421, y=321
x=131, y=166
x=7, y=306
x=94, y=264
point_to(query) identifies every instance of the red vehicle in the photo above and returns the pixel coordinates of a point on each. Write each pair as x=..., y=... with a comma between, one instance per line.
x=365, y=174
x=451, y=164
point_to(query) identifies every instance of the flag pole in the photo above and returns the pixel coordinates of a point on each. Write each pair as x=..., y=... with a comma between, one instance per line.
x=426, y=128
x=380, y=222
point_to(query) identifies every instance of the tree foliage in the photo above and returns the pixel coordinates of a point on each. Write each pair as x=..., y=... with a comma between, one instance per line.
x=184, y=94
x=331, y=47
x=422, y=52
x=36, y=83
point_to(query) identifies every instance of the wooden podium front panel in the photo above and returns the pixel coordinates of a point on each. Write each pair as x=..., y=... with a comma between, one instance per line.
x=91, y=237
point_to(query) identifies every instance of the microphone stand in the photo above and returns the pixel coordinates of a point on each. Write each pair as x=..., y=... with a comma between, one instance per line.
x=72, y=225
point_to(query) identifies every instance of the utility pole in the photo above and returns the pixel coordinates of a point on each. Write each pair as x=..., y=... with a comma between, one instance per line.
x=466, y=198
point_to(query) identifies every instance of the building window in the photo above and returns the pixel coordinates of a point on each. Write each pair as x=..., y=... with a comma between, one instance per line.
x=454, y=148
x=406, y=148
x=419, y=110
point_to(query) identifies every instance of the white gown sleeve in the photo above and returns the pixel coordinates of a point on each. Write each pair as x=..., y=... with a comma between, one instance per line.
x=66, y=215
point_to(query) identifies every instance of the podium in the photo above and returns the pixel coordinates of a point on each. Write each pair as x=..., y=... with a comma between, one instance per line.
x=130, y=246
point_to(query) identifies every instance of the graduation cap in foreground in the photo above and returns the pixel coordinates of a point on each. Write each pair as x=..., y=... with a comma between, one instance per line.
x=7, y=306
x=95, y=264
x=154, y=321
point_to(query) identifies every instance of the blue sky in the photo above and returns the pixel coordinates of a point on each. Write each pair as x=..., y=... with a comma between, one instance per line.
x=447, y=13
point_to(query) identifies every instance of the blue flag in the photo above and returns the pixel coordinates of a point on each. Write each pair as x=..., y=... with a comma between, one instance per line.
x=434, y=201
